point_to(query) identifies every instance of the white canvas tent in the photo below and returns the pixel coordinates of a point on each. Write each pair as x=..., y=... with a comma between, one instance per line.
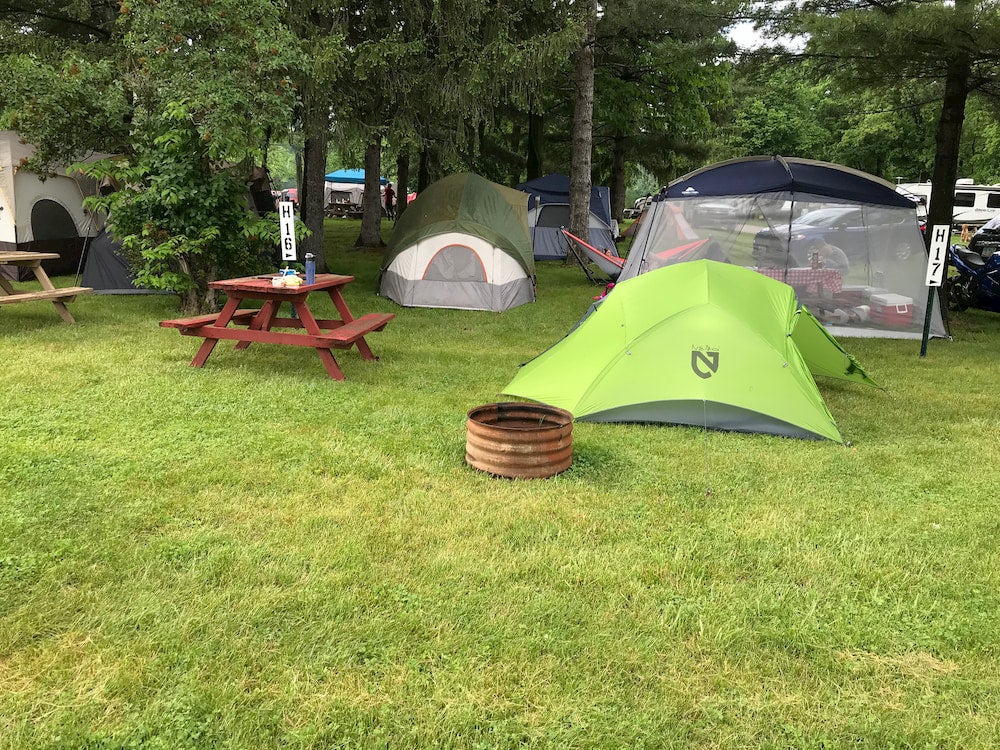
x=42, y=213
x=343, y=192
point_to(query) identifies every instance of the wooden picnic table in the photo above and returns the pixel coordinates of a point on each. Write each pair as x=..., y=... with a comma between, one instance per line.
x=58, y=297
x=322, y=335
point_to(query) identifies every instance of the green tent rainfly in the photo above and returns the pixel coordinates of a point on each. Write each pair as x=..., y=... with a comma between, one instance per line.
x=702, y=343
x=463, y=243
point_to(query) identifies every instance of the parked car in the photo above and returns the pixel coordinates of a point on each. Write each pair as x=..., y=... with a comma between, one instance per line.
x=638, y=207
x=851, y=228
x=720, y=213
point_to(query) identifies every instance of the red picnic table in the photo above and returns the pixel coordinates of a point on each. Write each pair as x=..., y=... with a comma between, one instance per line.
x=814, y=280
x=321, y=335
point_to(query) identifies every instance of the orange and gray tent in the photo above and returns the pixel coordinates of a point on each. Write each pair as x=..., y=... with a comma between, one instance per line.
x=702, y=343
x=462, y=243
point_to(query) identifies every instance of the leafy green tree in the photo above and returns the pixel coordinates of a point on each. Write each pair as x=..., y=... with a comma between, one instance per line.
x=980, y=155
x=953, y=47
x=580, y=177
x=184, y=94
x=661, y=81
x=778, y=110
x=318, y=27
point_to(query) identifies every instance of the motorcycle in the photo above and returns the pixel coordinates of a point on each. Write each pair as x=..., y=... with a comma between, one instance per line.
x=977, y=283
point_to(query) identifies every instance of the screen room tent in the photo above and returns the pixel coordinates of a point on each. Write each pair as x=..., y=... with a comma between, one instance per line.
x=549, y=213
x=781, y=217
x=463, y=243
x=42, y=213
x=705, y=344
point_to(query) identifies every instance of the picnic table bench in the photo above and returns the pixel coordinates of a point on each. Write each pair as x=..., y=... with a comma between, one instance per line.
x=320, y=334
x=58, y=297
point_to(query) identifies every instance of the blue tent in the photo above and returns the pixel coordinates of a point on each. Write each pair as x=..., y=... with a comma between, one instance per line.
x=353, y=176
x=554, y=188
x=551, y=213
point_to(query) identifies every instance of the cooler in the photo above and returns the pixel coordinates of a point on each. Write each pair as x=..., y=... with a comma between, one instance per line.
x=850, y=294
x=858, y=294
x=892, y=309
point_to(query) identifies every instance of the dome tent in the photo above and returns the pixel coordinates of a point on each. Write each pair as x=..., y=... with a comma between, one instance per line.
x=699, y=343
x=777, y=215
x=463, y=243
x=549, y=213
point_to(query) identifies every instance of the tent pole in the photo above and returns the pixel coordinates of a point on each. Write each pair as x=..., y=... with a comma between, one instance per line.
x=83, y=252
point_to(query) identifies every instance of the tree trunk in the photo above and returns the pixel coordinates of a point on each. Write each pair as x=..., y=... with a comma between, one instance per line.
x=618, y=177
x=423, y=170
x=371, y=219
x=402, y=180
x=946, y=142
x=583, y=127
x=313, y=184
x=536, y=143
x=298, y=165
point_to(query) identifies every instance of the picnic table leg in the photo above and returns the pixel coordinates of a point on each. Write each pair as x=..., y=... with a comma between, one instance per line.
x=366, y=353
x=338, y=301
x=63, y=311
x=43, y=279
x=345, y=315
x=209, y=343
x=262, y=320
x=311, y=326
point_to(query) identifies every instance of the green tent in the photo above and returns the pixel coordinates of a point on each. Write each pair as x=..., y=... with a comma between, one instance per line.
x=462, y=243
x=701, y=343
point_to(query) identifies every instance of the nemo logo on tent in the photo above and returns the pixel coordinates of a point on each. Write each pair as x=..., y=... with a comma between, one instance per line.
x=704, y=363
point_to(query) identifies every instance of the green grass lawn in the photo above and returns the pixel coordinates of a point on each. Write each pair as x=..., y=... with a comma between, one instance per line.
x=252, y=555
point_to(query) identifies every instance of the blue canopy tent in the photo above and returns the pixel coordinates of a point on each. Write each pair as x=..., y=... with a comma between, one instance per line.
x=346, y=188
x=549, y=212
x=352, y=176
x=847, y=242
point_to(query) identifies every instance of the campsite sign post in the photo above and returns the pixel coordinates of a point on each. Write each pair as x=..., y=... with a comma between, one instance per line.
x=937, y=259
x=286, y=215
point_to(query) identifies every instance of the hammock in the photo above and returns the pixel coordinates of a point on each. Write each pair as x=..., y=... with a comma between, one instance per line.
x=609, y=264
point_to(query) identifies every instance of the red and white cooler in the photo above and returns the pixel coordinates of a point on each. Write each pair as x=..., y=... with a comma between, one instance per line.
x=892, y=309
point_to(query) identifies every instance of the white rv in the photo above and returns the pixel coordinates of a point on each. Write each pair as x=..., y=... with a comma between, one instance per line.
x=974, y=204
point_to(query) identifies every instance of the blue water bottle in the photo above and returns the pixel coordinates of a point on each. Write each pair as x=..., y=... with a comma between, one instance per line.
x=310, y=268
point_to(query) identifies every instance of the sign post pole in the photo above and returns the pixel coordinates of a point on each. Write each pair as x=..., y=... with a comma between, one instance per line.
x=937, y=261
x=286, y=217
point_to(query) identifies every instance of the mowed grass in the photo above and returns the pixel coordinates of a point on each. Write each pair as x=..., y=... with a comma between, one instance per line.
x=251, y=555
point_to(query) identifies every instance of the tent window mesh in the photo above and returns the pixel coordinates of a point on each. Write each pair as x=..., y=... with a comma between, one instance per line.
x=553, y=215
x=455, y=263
